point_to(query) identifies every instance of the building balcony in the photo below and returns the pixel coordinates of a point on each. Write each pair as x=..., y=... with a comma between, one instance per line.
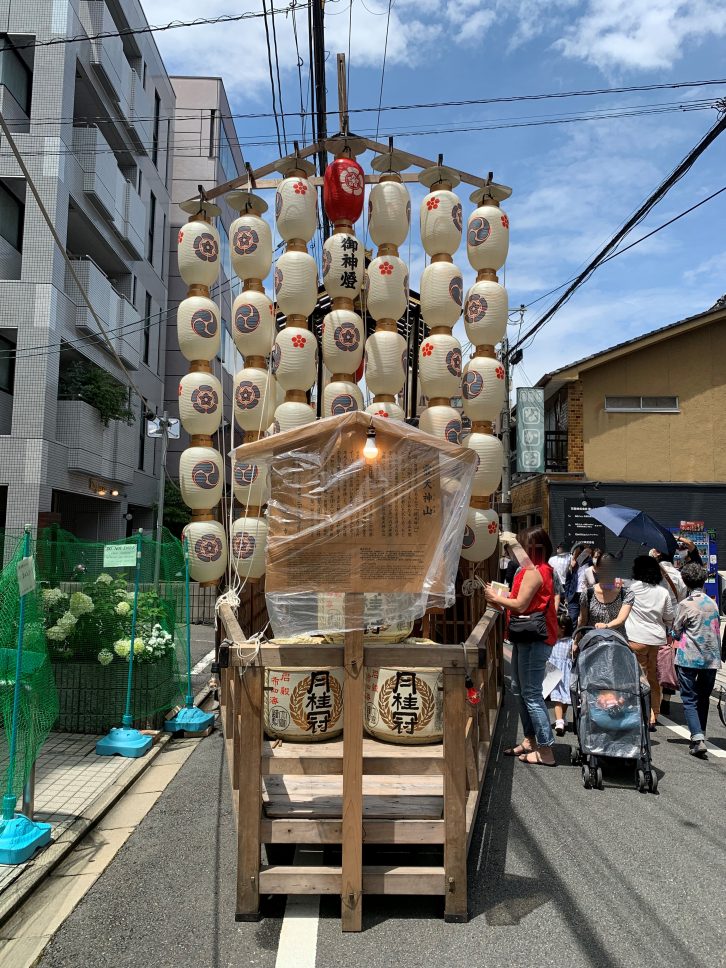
x=108, y=59
x=17, y=120
x=6, y=413
x=101, y=176
x=131, y=221
x=556, y=451
x=106, y=452
x=141, y=125
x=119, y=317
x=129, y=334
x=11, y=261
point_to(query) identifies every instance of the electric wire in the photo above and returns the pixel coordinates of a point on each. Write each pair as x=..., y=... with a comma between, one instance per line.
x=272, y=79
x=277, y=71
x=300, y=62
x=383, y=69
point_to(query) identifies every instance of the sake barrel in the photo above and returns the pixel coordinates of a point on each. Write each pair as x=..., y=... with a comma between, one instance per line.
x=389, y=213
x=385, y=357
x=441, y=221
x=490, y=458
x=200, y=403
x=340, y=396
x=404, y=706
x=294, y=358
x=386, y=287
x=250, y=244
x=481, y=534
x=296, y=283
x=486, y=310
x=439, y=366
x=482, y=388
x=200, y=477
x=304, y=706
x=343, y=335
x=198, y=253
x=343, y=266
x=442, y=294
x=207, y=545
x=487, y=237
x=247, y=546
x=253, y=327
x=442, y=422
x=296, y=209
x=197, y=328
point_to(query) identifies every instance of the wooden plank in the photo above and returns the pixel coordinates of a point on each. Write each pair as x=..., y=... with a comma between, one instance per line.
x=391, y=832
x=270, y=184
x=404, y=880
x=236, y=744
x=312, y=787
x=242, y=180
x=326, y=758
x=455, y=796
x=376, y=146
x=374, y=807
x=472, y=774
x=354, y=692
x=231, y=626
x=377, y=654
x=278, y=879
x=248, y=688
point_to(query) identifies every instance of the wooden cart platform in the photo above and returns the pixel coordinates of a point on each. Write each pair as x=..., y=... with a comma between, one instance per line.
x=358, y=791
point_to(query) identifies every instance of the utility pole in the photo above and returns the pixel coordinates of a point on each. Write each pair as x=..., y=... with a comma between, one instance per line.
x=320, y=94
x=506, y=503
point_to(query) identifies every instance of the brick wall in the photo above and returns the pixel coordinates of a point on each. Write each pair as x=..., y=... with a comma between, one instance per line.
x=575, y=437
x=532, y=496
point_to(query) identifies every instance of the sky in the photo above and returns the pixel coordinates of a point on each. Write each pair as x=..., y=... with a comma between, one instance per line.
x=573, y=183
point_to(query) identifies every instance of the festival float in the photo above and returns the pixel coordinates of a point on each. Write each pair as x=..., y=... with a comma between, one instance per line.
x=355, y=521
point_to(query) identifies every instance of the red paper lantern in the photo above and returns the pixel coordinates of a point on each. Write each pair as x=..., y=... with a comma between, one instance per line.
x=343, y=190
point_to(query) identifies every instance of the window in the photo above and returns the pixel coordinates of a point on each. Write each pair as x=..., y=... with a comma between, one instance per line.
x=138, y=186
x=226, y=158
x=152, y=228
x=642, y=405
x=147, y=327
x=155, y=135
x=15, y=74
x=212, y=126
x=12, y=216
x=7, y=365
x=163, y=244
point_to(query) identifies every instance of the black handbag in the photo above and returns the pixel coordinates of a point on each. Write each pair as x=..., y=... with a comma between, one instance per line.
x=524, y=629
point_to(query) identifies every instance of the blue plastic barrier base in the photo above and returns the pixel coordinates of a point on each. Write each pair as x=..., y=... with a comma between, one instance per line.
x=20, y=838
x=191, y=719
x=124, y=742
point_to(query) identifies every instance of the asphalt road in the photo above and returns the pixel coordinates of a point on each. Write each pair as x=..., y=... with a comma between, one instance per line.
x=558, y=876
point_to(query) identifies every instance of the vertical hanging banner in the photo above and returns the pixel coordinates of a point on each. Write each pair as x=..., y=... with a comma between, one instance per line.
x=530, y=431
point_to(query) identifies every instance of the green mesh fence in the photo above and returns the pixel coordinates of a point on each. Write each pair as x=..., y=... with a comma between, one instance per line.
x=38, y=706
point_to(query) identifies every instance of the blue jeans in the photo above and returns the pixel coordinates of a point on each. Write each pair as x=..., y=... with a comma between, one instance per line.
x=696, y=687
x=528, y=672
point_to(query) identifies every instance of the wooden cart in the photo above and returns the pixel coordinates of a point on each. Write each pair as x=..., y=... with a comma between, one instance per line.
x=355, y=790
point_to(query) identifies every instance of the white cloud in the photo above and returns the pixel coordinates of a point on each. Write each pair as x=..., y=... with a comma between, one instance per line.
x=714, y=268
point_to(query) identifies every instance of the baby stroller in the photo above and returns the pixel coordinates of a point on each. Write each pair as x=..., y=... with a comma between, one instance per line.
x=611, y=708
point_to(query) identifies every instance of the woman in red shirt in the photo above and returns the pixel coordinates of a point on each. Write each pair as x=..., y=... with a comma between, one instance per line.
x=532, y=594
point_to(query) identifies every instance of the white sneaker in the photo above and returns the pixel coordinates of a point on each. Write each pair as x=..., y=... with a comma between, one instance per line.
x=560, y=727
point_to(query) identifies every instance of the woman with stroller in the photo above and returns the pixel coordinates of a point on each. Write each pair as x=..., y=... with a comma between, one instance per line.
x=533, y=631
x=607, y=604
x=647, y=625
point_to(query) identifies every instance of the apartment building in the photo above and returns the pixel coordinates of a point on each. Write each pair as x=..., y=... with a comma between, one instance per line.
x=206, y=152
x=93, y=120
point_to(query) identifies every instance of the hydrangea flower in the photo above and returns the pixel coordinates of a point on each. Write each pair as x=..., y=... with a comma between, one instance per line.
x=81, y=604
x=122, y=647
x=105, y=657
x=104, y=579
x=67, y=621
x=123, y=608
x=57, y=634
x=51, y=596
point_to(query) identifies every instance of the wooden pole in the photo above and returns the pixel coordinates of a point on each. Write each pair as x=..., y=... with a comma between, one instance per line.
x=248, y=693
x=342, y=95
x=353, y=692
x=455, y=909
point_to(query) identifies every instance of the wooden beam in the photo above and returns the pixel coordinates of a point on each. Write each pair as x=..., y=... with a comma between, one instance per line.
x=376, y=880
x=242, y=180
x=378, y=654
x=465, y=176
x=270, y=184
x=455, y=796
x=318, y=831
x=354, y=692
x=342, y=94
x=248, y=689
x=231, y=625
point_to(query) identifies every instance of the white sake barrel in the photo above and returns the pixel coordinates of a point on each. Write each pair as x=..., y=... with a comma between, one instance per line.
x=482, y=388
x=442, y=294
x=386, y=409
x=490, y=458
x=304, y=706
x=389, y=213
x=442, y=422
x=254, y=398
x=441, y=222
x=251, y=483
x=481, y=534
x=253, y=327
x=197, y=328
x=296, y=283
x=198, y=253
x=207, y=545
x=385, y=357
x=200, y=403
x=292, y=414
x=247, y=546
x=487, y=237
x=404, y=706
x=200, y=477
x=386, y=287
x=343, y=265
x=486, y=310
x=295, y=209
x=340, y=396
x=295, y=358
x=439, y=366
x=250, y=245
x=343, y=336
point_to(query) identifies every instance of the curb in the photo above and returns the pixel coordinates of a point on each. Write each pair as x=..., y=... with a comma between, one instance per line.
x=25, y=884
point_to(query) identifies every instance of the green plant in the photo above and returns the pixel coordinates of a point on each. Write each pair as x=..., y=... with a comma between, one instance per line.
x=85, y=381
x=176, y=513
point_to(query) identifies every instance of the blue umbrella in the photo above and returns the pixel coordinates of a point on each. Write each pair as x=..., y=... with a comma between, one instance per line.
x=636, y=526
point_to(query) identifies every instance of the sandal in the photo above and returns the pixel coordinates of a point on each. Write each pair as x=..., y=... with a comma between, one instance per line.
x=537, y=761
x=517, y=750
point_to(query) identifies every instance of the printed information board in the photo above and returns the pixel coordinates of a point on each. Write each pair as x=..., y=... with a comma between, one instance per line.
x=26, y=575
x=119, y=556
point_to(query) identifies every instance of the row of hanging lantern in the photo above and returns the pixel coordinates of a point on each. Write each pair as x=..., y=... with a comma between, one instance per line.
x=201, y=477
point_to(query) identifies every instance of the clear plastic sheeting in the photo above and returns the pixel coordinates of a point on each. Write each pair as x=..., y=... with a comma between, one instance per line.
x=356, y=543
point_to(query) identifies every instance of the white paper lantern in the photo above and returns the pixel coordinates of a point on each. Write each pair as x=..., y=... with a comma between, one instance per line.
x=296, y=283
x=486, y=309
x=197, y=328
x=295, y=209
x=439, y=366
x=254, y=398
x=482, y=388
x=441, y=222
x=343, y=266
x=200, y=403
x=389, y=213
x=340, y=396
x=404, y=706
x=442, y=422
x=386, y=287
x=442, y=294
x=292, y=414
x=251, y=483
x=253, y=323
x=250, y=245
x=490, y=458
x=343, y=335
x=385, y=357
x=247, y=546
x=200, y=477
x=386, y=409
x=288, y=713
x=295, y=358
x=481, y=534
x=487, y=237
x=207, y=545
x=198, y=253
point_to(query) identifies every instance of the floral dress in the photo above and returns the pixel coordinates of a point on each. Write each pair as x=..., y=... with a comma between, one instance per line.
x=561, y=657
x=604, y=612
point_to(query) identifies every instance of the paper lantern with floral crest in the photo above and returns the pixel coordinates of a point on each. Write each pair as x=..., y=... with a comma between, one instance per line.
x=441, y=222
x=343, y=333
x=247, y=546
x=483, y=388
x=384, y=408
x=295, y=358
x=207, y=543
x=296, y=209
x=487, y=237
x=490, y=458
x=296, y=283
x=251, y=483
x=481, y=534
x=442, y=294
x=486, y=309
x=254, y=398
x=441, y=421
x=389, y=213
x=386, y=287
x=341, y=396
x=200, y=403
x=343, y=190
x=198, y=253
x=439, y=364
x=250, y=245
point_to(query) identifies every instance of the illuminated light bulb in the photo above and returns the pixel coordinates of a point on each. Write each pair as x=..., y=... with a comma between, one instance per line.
x=370, y=451
x=101, y=491
x=114, y=493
